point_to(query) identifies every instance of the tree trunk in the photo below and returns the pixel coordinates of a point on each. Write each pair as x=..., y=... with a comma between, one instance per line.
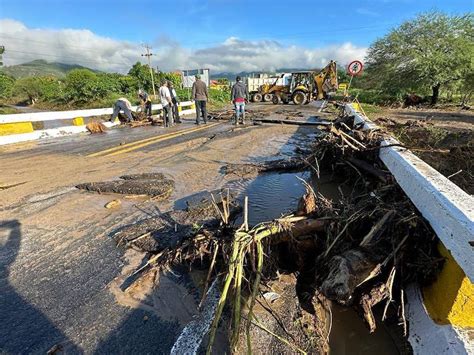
x=434, y=97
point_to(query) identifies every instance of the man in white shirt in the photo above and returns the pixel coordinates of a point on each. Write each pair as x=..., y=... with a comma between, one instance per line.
x=165, y=97
x=124, y=105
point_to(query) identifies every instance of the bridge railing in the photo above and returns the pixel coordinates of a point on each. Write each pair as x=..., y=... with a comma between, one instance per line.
x=20, y=127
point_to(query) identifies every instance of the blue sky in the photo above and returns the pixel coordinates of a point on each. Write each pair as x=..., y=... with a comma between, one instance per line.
x=194, y=25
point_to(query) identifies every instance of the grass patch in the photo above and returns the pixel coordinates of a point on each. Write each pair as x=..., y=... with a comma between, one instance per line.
x=5, y=110
x=372, y=110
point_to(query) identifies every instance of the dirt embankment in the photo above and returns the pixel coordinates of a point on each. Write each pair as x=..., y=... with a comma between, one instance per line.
x=442, y=138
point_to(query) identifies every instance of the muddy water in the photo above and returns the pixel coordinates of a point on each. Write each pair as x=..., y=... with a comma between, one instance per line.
x=270, y=196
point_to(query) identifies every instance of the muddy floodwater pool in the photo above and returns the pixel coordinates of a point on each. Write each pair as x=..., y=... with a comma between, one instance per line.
x=273, y=194
x=270, y=195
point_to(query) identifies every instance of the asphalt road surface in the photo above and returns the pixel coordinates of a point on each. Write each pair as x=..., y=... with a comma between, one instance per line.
x=59, y=268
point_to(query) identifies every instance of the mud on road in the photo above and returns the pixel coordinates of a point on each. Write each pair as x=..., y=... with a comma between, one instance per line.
x=60, y=270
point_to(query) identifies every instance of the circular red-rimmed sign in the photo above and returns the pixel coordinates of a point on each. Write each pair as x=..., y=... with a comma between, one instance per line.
x=355, y=67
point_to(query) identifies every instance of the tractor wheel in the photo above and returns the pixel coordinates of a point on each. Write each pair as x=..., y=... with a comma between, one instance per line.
x=267, y=97
x=257, y=97
x=276, y=99
x=298, y=98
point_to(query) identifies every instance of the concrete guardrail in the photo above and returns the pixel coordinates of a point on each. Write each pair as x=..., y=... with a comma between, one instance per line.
x=441, y=314
x=15, y=128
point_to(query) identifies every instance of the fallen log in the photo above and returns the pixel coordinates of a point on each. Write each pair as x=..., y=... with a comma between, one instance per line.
x=293, y=122
x=151, y=184
x=361, y=164
x=155, y=188
x=293, y=164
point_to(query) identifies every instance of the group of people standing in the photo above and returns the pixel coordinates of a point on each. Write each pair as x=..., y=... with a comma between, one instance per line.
x=170, y=102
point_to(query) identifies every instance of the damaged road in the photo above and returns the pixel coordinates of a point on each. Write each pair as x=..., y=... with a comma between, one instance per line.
x=61, y=269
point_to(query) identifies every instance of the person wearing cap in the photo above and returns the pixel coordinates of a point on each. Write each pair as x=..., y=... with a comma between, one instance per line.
x=146, y=101
x=239, y=95
x=165, y=97
x=124, y=105
x=200, y=97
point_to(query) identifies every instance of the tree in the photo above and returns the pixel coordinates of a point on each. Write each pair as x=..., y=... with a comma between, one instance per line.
x=424, y=55
x=141, y=72
x=38, y=88
x=6, y=85
x=175, y=78
x=83, y=85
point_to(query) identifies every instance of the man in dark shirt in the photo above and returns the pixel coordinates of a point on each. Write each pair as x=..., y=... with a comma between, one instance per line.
x=146, y=101
x=239, y=95
x=200, y=97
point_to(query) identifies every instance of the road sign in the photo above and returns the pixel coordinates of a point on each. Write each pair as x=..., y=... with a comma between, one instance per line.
x=355, y=67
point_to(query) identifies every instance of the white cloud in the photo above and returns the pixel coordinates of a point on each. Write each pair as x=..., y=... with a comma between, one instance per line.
x=83, y=47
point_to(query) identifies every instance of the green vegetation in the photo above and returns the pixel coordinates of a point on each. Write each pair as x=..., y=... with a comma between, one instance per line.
x=82, y=87
x=430, y=53
x=6, y=85
x=5, y=110
x=35, y=88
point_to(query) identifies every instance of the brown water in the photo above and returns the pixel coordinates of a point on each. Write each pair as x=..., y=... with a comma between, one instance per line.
x=270, y=196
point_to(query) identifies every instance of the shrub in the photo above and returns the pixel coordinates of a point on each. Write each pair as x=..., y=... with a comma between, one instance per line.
x=6, y=85
x=38, y=88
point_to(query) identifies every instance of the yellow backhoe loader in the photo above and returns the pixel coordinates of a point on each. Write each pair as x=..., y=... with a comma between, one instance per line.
x=306, y=86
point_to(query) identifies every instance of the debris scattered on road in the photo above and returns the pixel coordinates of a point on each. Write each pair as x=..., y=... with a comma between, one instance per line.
x=292, y=164
x=96, y=127
x=156, y=185
x=113, y=204
x=358, y=251
x=9, y=186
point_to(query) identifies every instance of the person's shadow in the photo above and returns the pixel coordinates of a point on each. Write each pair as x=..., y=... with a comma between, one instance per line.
x=23, y=328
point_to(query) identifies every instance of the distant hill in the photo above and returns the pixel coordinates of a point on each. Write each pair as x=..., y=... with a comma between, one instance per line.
x=40, y=67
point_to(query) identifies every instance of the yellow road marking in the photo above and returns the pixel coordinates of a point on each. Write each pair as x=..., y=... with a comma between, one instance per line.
x=148, y=141
x=120, y=147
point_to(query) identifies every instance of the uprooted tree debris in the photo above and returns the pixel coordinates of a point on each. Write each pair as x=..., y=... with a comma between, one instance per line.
x=152, y=184
x=359, y=251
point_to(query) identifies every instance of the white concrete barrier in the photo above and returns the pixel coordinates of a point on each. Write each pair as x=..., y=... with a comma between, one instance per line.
x=448, y=209
x=450, y=212
x=66, y=115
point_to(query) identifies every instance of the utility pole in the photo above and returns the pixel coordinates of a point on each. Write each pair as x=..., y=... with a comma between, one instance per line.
x=148, y=54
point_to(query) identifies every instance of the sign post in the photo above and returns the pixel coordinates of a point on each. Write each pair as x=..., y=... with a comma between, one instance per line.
x=353, y=69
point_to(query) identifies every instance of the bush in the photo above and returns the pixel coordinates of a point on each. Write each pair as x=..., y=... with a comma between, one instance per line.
x=83, y=85
x=375, y=97
x=38, y=88
x=6, y=85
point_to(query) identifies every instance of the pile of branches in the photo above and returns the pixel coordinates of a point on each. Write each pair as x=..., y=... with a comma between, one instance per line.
x=358, y=251
x=379, y=242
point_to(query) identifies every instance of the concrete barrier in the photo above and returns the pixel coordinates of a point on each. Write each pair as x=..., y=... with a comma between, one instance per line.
x=440, y=321
x=15, y=128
